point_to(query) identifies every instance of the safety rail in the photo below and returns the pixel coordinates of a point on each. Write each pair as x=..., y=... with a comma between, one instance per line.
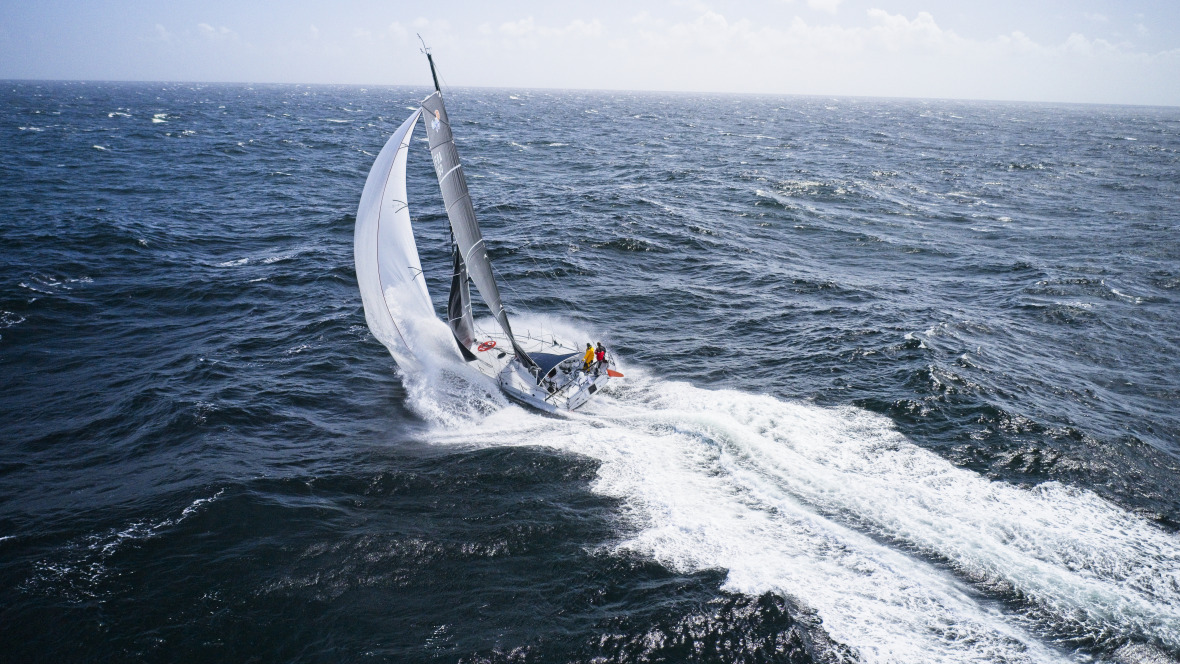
x=573, y=377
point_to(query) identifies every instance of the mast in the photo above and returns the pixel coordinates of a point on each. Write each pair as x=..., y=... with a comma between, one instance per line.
x=471, y=256
x=430, y=59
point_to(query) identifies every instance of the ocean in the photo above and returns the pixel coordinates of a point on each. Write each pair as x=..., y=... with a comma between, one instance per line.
x=901, y=382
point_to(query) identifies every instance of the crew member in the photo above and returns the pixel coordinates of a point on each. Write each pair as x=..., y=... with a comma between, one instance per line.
x=588, y=359
x=600, y=357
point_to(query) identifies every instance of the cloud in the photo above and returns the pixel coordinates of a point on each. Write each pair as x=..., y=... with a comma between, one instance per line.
x=162, y=33
x=712, y=32
x=829, y=6
x=885, y=53
x=220, y=33
x=1095, y=17
x=527, y=27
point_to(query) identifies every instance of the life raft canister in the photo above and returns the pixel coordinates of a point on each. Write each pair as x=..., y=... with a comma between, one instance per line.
x=487, y=345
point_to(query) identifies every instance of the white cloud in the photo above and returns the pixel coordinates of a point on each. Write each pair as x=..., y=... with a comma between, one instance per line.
x=430, y=28
x=886, y=53
x=829, y=6
x=527, y=27
x=315, y=32
x=398, y=31
x=1095, y=16
x=162, y=33
x=219, y=33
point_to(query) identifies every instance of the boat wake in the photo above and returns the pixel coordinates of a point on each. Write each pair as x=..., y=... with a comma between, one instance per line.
x=903, y=555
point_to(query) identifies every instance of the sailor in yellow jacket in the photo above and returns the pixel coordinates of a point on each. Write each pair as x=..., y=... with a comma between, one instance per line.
x=588, y=359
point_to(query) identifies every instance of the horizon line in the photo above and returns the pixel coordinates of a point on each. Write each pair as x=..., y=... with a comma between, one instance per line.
x=605, y=90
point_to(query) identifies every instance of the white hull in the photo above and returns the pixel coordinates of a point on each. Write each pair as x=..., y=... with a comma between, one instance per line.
x=568, y=388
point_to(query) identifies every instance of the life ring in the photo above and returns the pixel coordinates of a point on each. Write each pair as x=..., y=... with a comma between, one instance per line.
x=487, y=345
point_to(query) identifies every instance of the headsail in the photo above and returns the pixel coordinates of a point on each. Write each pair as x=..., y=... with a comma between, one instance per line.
x=468, y=237
x=388, y=270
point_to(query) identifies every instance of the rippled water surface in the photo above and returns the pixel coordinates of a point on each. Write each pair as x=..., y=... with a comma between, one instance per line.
x=901, y=382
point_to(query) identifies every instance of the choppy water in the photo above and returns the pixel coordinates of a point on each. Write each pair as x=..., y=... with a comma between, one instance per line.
x=902, y=383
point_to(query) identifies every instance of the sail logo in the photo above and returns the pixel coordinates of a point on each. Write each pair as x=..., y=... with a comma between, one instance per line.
x=437, y=159
x=434, y=124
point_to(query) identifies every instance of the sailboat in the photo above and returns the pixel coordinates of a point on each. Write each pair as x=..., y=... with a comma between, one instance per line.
x=536, y=370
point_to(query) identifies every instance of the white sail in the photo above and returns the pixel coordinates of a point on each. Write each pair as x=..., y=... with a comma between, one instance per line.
x=397, y=304
x=548, y=375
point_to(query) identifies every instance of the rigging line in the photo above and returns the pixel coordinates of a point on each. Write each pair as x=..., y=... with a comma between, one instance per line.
x=519, y=298
x=444, y=84
x=552, y=279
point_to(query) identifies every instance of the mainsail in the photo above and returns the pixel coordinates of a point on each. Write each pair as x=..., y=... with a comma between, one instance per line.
x=472, y=253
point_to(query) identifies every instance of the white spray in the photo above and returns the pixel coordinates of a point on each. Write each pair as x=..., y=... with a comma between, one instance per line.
x=837, y=510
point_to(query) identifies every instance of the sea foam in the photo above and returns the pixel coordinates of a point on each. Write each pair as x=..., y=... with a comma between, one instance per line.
x=895, y=548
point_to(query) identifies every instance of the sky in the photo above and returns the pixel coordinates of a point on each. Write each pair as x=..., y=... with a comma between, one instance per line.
x=1094, y=51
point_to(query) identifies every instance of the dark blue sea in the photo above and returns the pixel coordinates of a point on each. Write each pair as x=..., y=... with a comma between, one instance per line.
x=902, y=382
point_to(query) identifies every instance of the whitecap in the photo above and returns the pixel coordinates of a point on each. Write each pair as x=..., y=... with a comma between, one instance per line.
x=8, y=319
x=1130, y=298
x=83, y=564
